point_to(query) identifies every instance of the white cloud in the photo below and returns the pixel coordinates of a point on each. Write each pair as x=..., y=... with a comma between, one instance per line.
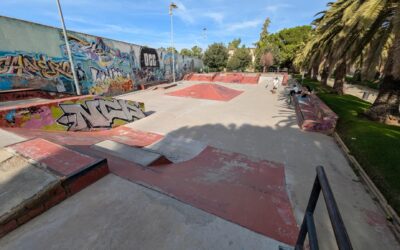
x=276, y=7
x=218, y=17
x=244, y=25
x=183, y=13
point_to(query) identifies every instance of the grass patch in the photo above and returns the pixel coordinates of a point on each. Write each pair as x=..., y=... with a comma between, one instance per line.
x=376, y=146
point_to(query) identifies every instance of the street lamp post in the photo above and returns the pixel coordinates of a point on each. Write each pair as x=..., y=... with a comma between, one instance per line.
x=171, y=7
x=78, y=90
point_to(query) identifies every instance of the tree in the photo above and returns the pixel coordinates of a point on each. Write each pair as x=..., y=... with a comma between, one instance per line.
x=197, y=51
x=366, y=30
x=234, y=44
x=283, y=45
x=240, y=59
x=186, y=52
x=170, y=49
x=216, y=57
x=267, y=60
x=289, y=41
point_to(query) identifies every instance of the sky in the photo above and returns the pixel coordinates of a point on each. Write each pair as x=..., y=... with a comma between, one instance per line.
x=146, y=22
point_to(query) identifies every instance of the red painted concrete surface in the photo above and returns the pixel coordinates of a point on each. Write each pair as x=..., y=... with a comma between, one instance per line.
x=120, y=134
x=59, y=159
x=244, y=78
x=207, y=91
x=247, y=191
x=237, y=78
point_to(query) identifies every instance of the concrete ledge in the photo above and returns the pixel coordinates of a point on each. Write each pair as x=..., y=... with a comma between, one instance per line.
x=43, y=187
x=314, y=115
x=141, y=156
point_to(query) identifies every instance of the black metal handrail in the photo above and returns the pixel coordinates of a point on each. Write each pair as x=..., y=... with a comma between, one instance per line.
x=308, y=226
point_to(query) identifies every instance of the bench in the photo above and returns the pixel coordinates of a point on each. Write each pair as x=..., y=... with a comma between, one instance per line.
x=313, y=114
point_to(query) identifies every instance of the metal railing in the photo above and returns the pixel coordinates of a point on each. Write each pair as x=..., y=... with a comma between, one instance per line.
x=308, y=226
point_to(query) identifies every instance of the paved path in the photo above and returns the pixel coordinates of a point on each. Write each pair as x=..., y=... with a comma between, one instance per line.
x=358, y=91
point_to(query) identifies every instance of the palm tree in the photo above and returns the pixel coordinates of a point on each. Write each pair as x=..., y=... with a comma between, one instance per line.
x=371, y=28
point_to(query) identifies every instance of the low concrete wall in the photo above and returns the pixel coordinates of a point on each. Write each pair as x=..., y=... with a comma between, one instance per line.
x=79, y=113
x=314, y=115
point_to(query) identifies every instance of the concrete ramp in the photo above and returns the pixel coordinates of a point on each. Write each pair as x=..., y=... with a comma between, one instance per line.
x=178, y=149
x=207, y=91
x=141, y=156
x=243, y=78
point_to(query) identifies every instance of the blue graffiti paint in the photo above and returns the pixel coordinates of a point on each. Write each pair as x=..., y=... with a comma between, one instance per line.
x=5, y=84
x=10, y=116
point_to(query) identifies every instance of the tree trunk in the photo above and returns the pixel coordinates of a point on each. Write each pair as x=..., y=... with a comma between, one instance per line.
x=315, y=72
x=325, y=75
x=386, y=106
x=340, y=75
x=308, y=73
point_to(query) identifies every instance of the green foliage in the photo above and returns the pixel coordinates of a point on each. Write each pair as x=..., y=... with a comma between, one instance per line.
x=197, y=51
x=376, y=146
x=216, y=57
x=284, y=45
x=240, y=59
x=234, y=44
x=186, y=52
x=170, y=49
x=289, y=42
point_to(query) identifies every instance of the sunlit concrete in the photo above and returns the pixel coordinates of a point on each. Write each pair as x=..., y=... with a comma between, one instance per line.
x=261, y=124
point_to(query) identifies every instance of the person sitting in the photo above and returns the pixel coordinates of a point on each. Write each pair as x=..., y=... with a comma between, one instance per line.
x=295, y=90
x=306, y=92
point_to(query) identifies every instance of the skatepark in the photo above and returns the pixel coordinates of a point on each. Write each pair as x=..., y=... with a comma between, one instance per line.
x=199, y=164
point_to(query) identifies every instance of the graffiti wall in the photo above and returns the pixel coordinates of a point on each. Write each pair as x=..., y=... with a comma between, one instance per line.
x=73, y=114
x=35, y=56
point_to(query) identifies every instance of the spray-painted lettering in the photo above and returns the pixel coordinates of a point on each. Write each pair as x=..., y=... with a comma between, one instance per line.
x=99, y=113
x=25, y=65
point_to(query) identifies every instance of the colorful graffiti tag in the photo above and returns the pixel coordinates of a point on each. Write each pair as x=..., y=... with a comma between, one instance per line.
x=30, y=66
x=149, y=70
x=73, y=114
x=19, y=65
x=100, y=113
x=109, y=69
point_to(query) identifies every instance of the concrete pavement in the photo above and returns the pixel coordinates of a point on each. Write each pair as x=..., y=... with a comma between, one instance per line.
x=117, y=214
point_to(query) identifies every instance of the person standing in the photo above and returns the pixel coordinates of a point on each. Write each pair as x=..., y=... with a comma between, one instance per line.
x=276, y=85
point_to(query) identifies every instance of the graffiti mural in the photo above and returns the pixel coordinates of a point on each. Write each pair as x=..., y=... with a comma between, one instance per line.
x=99, y=113
x=103, y=66
x=73, y=114
x=149, y=70
x=110, y=70
x=25, y=67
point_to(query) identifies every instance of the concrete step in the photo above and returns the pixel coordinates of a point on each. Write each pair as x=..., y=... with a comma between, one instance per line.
x=141, y=156
x=36, y=175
